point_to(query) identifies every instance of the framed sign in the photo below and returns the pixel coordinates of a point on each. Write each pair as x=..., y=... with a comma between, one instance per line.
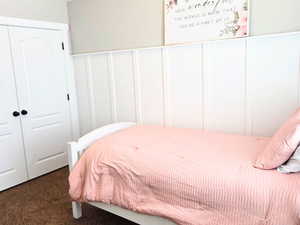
x=198, y=20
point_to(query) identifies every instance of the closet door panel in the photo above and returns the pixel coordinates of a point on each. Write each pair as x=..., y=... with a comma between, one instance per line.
x=12, y=158
x=41, y=82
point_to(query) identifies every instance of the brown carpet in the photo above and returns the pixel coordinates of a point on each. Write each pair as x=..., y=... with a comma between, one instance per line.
x=45, y=201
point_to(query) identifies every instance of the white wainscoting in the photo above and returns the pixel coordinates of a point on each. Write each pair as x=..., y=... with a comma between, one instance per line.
x=247, y=86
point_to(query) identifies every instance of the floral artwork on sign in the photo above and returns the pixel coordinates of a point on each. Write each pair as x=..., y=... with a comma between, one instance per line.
x=197, y=20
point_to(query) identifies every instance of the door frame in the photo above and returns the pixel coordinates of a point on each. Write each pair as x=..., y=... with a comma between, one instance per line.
x=71, y=86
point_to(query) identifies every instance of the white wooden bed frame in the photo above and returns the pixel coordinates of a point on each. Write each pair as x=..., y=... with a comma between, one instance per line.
x=75, y=151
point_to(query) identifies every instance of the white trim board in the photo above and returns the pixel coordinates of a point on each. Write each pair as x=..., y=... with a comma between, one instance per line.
x=71, y=87
x=246, y=86
x=188, y=44
x=12, y=21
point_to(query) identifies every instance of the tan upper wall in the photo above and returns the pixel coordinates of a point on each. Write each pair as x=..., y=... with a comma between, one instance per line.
x=115, y=24
x=99, y=25
x=46, y=10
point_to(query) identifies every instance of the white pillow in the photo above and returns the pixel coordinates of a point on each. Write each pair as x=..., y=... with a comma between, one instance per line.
x=292, y=165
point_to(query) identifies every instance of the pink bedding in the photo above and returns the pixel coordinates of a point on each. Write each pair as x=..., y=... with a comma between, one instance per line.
x=190, y=176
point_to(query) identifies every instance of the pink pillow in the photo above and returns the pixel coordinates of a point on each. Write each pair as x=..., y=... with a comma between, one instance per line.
x=282, y=145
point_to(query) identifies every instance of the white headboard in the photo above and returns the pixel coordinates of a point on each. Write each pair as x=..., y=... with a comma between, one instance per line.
x=246, y=86
x=88, y=139
x=76, y=148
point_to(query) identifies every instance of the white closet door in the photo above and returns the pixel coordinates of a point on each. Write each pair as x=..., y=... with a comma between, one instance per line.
x=41, y=81
x=12, y=158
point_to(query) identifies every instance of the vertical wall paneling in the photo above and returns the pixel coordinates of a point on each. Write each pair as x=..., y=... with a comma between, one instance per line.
x=185, y=86
x=150, y=86
x=224, y=86
x=273, y=81
x=248, y=114
x=247, y=86
x=166, y=94
x=137, y=87
x=90, y=78
x=124, y=86
x=100, y=90
x=112, y=85
x=81, y=71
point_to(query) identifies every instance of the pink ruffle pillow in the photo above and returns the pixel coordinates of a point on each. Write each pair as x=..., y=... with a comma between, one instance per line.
x=282, y=145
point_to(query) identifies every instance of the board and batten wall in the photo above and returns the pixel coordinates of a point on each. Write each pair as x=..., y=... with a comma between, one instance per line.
x=45, y=10
x=99, y=25
x=247, y=86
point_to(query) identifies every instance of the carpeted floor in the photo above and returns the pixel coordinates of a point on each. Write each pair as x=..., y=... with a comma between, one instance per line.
x=45, y=201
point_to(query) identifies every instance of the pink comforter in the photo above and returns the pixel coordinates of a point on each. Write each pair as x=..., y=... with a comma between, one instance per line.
x=190, y=176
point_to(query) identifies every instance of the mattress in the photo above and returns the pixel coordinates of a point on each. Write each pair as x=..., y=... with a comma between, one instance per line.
x=190, y=176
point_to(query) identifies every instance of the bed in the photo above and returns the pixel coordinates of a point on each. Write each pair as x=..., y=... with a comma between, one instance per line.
x=154, y=175
x=76, y=149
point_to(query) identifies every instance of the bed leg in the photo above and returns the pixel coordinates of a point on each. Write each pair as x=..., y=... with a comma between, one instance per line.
x=77, y=210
